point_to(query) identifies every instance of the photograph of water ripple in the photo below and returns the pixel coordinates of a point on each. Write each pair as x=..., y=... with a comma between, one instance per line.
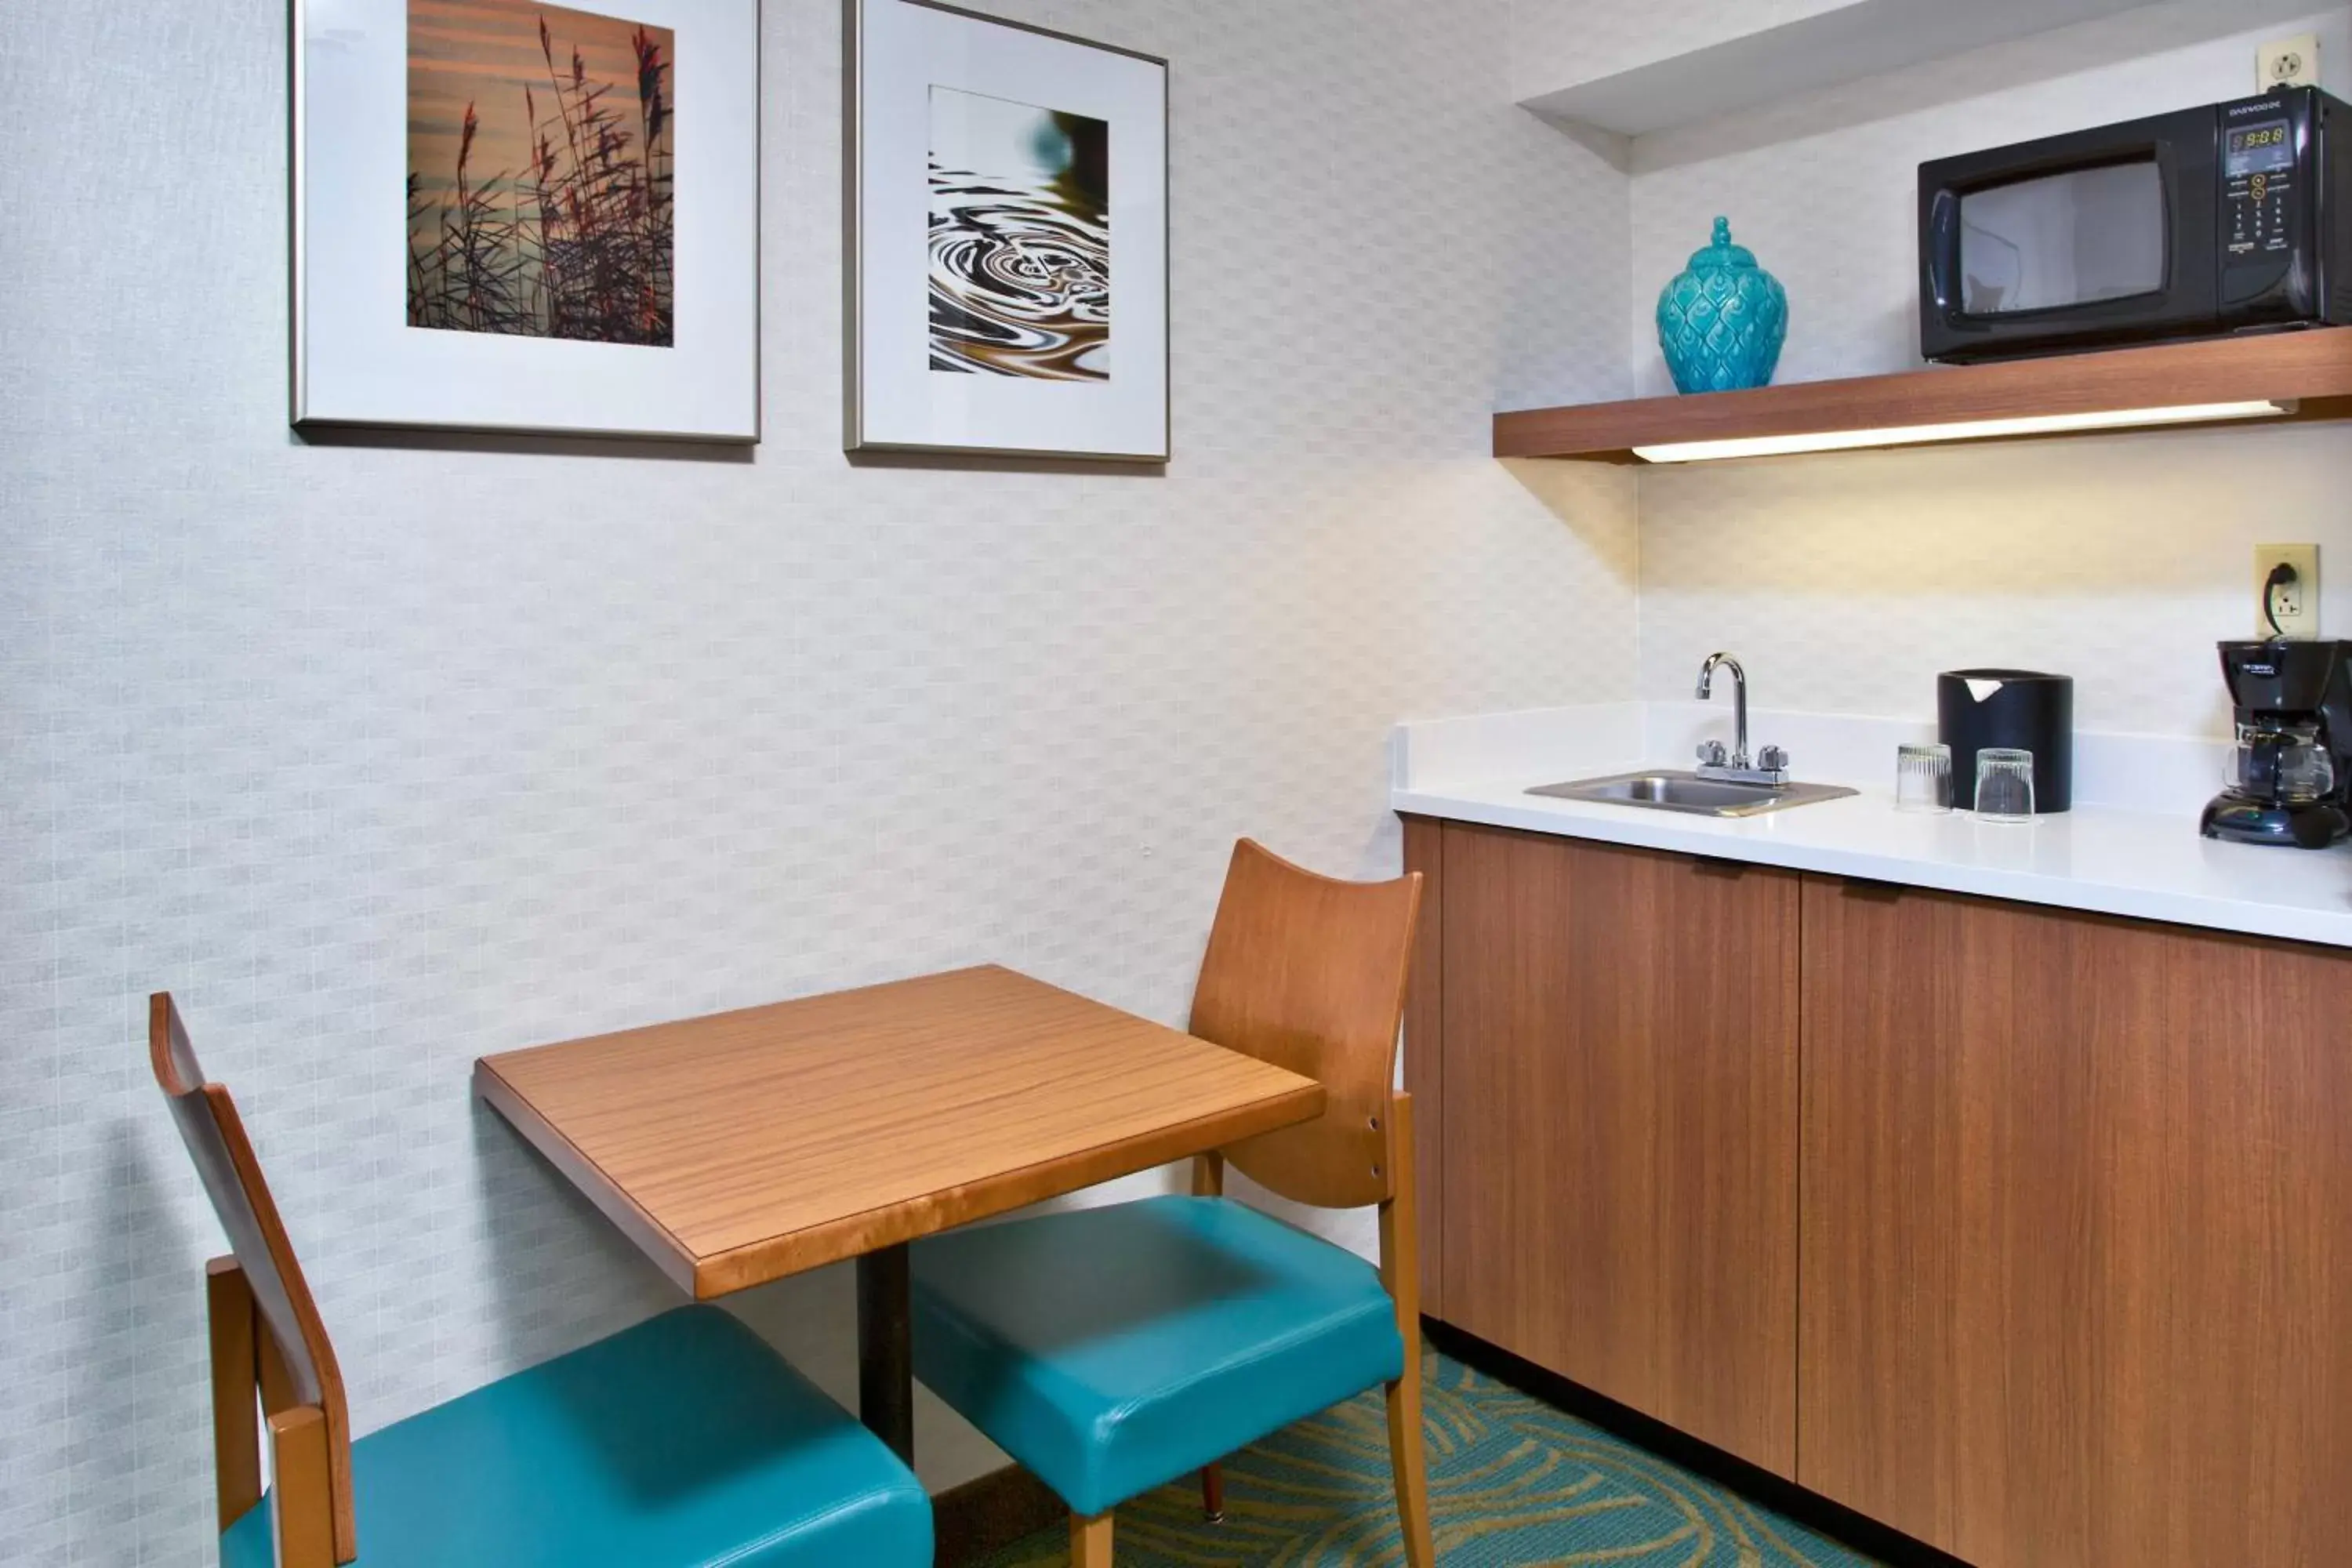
x=1020, y=239
x=990, y=167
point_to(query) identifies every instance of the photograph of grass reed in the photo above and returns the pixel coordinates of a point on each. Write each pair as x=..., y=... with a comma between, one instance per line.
x=541, y=178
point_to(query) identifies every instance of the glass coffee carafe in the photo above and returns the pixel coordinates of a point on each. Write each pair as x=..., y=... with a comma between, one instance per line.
x=2291, y=771
x=2283, y=763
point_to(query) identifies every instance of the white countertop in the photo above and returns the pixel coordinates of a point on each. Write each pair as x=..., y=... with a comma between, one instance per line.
x=2145, y=860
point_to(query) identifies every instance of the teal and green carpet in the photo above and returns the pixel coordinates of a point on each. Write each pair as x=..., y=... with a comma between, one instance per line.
x=1511, y=1481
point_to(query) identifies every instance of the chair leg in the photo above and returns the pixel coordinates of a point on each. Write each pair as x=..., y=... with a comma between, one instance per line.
x=301, y=1518
x=1213, y=1494
x=1090, y=1540
x=1408, y=1459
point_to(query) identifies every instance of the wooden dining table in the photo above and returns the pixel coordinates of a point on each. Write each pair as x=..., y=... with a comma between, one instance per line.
x=742, y=1147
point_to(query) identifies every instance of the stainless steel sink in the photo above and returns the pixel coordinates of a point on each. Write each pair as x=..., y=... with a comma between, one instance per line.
x=1671, y=789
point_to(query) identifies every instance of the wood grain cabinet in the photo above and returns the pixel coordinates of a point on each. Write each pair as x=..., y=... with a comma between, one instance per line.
x=1620, y=1125
x=2077, y=1234
x=2026, y=1232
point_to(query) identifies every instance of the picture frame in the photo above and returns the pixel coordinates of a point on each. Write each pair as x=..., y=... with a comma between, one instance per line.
x=576, y=252
x=1006, y=227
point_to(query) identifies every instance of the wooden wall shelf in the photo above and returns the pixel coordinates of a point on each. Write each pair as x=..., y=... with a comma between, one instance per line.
x=2310, y=368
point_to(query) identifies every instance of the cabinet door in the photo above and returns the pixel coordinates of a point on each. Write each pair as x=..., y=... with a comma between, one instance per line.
x=2257, y=1188
x=1983, y=1225
x=1620, y=1040
x=2077, y=1281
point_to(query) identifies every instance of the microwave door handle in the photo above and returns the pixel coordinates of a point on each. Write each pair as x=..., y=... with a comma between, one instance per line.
x=1944, y=252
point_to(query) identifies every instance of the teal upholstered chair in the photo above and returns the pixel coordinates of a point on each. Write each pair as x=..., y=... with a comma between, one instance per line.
x=682, y=1443
x=1113, y=1350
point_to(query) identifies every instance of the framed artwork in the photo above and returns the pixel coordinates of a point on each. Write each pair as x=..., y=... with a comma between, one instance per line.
x=517, y=216
x=1007, y=213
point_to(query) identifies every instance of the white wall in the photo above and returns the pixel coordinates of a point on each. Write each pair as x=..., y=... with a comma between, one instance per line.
x=384, y=756
x=1847, y=582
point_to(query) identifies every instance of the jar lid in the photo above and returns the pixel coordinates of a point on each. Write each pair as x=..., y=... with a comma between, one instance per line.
x=1722, y=253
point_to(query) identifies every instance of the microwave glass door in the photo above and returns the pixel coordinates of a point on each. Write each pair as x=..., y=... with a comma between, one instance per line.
x=2063, y=239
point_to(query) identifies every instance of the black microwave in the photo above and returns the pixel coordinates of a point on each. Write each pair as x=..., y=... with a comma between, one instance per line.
x=2211, y=221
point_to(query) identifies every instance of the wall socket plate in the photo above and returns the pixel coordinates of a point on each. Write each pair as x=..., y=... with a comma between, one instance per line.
x=2295, y=604
x=2288, y=62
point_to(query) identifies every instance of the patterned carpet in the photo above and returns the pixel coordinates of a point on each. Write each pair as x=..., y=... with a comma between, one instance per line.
x=1512, y=1480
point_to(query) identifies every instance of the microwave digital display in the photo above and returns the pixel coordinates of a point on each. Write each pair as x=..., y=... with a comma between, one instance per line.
x=2262, y=149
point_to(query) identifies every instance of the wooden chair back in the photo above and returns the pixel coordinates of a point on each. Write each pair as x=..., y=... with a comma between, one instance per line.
x=267, y=1338
x=1308, y=972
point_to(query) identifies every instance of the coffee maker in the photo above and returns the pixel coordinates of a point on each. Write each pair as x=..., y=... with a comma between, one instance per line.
x=2291, y=773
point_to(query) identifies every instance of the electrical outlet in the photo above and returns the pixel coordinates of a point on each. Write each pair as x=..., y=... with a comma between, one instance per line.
x=2288, y=62
x=2292, y=602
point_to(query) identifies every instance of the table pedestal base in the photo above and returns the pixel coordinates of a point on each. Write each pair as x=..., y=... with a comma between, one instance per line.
x=885, y=1350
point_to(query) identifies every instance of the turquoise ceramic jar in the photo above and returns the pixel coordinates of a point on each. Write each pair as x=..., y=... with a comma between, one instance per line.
x=1722, y=322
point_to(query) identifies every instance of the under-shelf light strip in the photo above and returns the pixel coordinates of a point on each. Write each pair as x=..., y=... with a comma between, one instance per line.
x=1972, y=430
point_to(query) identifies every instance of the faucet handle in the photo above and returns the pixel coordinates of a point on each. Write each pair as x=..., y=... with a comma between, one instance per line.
x=1712, y=754
x=1773, y=760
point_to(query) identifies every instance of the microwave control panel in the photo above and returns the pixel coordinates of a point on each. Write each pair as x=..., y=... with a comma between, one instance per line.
x=2258, y=189
x=2267, y=262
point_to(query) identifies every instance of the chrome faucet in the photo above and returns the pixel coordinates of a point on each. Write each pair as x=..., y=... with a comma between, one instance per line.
x=1771, y=768
x=1738, y=702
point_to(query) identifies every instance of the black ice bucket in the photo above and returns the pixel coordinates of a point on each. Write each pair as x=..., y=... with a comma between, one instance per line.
x=2026, y=708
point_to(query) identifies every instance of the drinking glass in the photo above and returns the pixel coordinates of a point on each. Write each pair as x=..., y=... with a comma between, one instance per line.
x=1923, y=778
x=2004, y=784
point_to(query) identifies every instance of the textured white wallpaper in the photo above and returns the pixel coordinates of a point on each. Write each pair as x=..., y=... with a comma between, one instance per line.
x=384, y=755
x=1848, y=582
